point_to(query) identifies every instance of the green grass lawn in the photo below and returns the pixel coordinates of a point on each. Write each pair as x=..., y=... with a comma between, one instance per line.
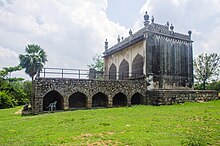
x=186, y=124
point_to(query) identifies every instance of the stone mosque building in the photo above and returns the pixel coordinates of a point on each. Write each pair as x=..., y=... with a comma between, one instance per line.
x=155, y=53
x=153, y=66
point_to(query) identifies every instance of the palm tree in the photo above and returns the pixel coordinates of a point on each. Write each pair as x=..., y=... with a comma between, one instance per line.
x=33, y=60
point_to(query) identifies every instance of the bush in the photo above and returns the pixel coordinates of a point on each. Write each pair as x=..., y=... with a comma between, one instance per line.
x=14, y=91
x=6, y=100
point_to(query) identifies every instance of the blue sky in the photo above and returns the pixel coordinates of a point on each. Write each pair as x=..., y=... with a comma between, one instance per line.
x=73, y=31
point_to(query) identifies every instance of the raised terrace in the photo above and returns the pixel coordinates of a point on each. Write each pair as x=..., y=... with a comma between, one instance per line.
x=73, y=92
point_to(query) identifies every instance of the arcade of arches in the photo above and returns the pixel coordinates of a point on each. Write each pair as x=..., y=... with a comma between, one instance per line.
x=68, y=93
x=79, y=100
x=123, y=71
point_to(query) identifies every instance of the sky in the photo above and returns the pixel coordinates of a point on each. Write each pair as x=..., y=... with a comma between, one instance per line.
x=72, y=31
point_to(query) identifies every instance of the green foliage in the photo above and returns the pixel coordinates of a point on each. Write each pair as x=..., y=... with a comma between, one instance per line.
x=33, y=60
x=9, y=70
x=214, y=86
x=6, y=100
x=18, y=92
x=209, y=86
x=206, y=68
x=27, y=87
x=186, y=124
x=98, y=63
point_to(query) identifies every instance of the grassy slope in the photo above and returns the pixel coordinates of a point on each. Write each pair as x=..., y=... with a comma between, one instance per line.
x=138, y=125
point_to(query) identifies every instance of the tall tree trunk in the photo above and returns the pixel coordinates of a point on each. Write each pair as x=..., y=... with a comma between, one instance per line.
x=32, y=93
x=203, y=85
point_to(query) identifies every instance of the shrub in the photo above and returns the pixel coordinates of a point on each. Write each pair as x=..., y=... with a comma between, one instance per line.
x=6, y=100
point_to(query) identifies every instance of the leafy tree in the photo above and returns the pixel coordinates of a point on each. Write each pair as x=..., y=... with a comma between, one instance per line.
x=6, y=100
x=98, y=63
x=27, y=85
x=214, y=86
x=9, y=70
x=33, y=60
x=206, y=68
x=14, y=92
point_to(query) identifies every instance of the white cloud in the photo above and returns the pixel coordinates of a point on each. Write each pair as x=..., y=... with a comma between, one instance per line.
x=200, y=16
x=70, y=31
x=8, y=57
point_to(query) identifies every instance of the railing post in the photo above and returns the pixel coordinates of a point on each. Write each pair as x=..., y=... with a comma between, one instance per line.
x=44, y=72
x=92, y=73
x=62, y=73
x=79, y=74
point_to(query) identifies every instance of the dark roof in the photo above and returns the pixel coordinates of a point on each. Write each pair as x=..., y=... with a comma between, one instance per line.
x=155, y=28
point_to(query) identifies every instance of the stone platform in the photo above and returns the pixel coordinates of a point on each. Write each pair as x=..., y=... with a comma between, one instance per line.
x=84, y=93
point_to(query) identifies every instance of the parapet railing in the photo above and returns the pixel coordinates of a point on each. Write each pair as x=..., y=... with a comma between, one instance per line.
x=63, y=73
x=87, y=74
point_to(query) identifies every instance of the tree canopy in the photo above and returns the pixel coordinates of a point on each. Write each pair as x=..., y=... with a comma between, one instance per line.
x=33, y=60
x=206, y=68
x=98, y=63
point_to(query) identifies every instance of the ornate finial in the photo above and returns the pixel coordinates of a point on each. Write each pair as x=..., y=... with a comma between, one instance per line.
x=146, y=19
x=168, y=24
x=130, y=32
x=106, y=44
x=171, y=27
x=152, y=19
x=119, y=39
x=190, y=33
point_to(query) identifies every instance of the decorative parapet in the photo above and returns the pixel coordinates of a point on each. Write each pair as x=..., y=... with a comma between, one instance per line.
x=158, y=29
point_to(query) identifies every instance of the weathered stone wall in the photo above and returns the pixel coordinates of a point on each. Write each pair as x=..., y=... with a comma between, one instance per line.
x=170, y=61
x=168, y=97
x=66, y=87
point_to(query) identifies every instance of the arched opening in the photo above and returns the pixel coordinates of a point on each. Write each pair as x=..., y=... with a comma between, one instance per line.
x=53, y=97
x=124, y=70
x=99, y=100
x=136, y=99
x=112, y=72
x=120, y=99
x=77, y=100
x=137, y=66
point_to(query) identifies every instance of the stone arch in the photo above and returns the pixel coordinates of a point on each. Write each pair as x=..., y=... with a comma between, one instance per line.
x=120, y=99
x=137, y=66
x=112, y=72
x=51, y=97
x=100, y=100
x=136, y=99
x=77, y=100
x=124, y=70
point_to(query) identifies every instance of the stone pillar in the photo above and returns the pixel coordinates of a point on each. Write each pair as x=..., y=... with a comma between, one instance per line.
x=65, y=103
x=89, y=103
x=92, y=73
x=129, y=100
x=110, y=101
